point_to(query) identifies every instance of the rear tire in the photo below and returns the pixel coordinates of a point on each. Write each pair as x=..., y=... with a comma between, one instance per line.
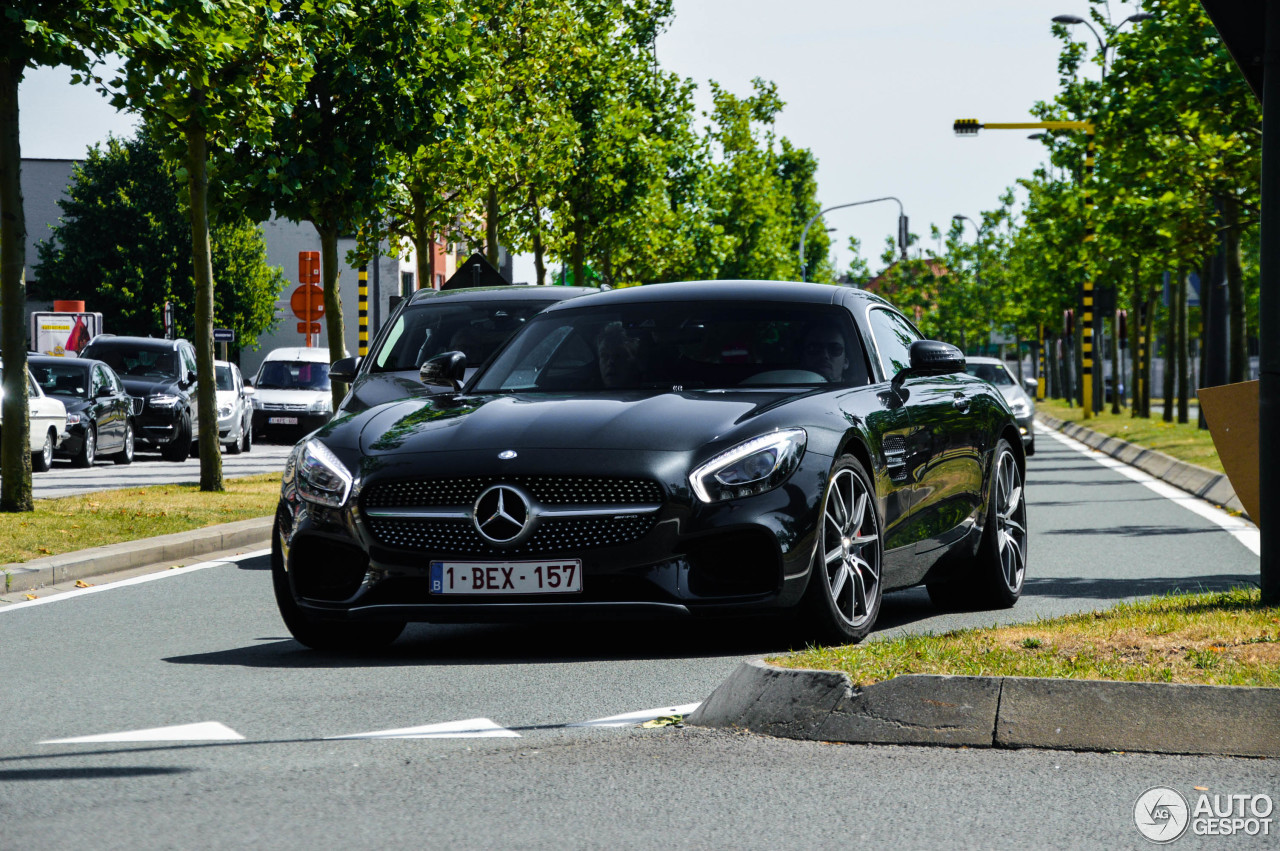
x=180, y=447
x=125, y=455
x=846, y=579
x=994, y=577
x=334, y=636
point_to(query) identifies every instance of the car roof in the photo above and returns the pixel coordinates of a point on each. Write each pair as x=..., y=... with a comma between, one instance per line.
x=733, y=290
x=51, y=360
x=312, y=354
x=519, y=292
x=136, y=342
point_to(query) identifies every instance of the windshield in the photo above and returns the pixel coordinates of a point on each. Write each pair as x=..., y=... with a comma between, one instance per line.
x=680, y=345
x=477, y=329
x=136, y=363
x=62, y=379
x=222, y=376
x=293, y=375
x=991, y=373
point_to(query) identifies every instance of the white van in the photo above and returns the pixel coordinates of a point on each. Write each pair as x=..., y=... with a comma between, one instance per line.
x=291, y=392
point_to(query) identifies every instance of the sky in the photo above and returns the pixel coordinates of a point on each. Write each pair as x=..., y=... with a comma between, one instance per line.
x=871, y=88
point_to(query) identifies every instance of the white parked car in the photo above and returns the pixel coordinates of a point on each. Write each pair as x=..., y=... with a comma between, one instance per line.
x=48, y=424
x=235, y=411
x=995, y=372
x=292, y=394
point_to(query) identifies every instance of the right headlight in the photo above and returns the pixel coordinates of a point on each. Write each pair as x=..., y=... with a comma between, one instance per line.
x=750, y=468
x=1021, y=407
x=318, y=475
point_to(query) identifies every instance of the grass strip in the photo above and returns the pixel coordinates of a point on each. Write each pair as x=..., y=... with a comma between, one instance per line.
x=108, y=517
x=1222, y=638
x=1183, y=441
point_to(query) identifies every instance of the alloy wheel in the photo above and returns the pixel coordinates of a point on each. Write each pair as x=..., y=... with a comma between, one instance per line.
x=1011, y=522
x=851, y=556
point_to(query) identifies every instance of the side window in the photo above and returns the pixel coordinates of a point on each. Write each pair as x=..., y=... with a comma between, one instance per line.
x=893, y=337
x=99, y=381
x=115, y=382
x=189, y=360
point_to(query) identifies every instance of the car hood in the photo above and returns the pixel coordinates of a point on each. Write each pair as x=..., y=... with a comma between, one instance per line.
x=632, y=421
x=227, y=397
x=73, y=404
x=150, y=386
x=291, y=397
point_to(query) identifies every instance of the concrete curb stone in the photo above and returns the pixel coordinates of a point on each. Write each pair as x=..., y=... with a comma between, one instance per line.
x=95, y=561
x=1002, y=712
x=1204, y=483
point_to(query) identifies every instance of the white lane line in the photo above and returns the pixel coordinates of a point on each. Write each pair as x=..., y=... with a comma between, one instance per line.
x=206, y=731
x=631, y=719
x=137, y=580
x=1244, y=532
x=472, y=728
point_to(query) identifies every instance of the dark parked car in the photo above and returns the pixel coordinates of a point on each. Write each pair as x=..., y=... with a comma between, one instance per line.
x=474, y=321
x=162, y=373
x=99, y=410
x=672, y=449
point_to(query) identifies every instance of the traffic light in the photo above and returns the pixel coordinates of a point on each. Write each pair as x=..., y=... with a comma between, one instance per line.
x=966, y=126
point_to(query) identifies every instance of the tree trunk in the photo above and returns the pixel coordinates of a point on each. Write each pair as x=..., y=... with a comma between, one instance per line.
x=1017, y=347
x=423, y=244
x=15, y=436
x=579, y=251
x=1117, y=378
x=1150, y=343
x=332, y=302
x=1238, y=355
x=539, y=262
x=1171, y=347
x=1184, y=363
x=206, y=382
x=491, y=225
x=1054, y=390
x=1066, y=358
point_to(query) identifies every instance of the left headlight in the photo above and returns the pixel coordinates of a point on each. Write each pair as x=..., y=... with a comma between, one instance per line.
x=224, y=412
x=74, y=419
x=1021, y=407
x=318, y=474
x=750, y=468
x=323, y=406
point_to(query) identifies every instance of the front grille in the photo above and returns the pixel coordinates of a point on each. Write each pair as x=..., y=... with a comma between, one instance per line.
x=282, y=406
x=554, y=535
x=138, y=403
x=612, y=526
x=548, y=490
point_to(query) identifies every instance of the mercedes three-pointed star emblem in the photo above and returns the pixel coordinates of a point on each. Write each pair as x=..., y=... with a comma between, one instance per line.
x=502, y=515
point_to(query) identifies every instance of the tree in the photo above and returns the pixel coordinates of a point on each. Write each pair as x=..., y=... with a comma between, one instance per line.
x=123, y=238
x=33, y=33
x=208, y=76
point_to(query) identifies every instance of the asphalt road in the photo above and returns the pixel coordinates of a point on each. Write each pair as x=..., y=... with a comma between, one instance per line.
x=148, y=468
x=204, y=646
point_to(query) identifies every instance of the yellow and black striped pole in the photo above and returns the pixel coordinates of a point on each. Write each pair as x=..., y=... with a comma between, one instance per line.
x=970, y=127
x=1040, y=379
x=364, y=311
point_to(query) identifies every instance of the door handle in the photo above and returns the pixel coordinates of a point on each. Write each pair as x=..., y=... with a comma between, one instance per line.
x=961, y=403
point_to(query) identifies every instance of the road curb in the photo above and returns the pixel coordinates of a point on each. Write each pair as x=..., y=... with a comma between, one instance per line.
x=82, y=564
x=997, y=712
x=1204, y=483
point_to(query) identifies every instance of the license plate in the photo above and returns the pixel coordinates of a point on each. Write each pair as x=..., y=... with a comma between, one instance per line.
x=506, y=577
x=282, y=421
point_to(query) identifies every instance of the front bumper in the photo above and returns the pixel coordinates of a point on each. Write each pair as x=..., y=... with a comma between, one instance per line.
x=746, y=555
x=305, y=421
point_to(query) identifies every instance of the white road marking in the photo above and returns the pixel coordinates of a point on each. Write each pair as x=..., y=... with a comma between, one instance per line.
x=207, y=731
x=472, y=728
x=631, y=719
x=137, y=580
x=1243, y=531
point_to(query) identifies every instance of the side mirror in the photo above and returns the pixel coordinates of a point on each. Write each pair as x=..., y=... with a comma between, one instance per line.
x=248, y=389
x=1031, y=386
x=104, y=392
x=931, y=357
x=445, y=370
x=344, y=370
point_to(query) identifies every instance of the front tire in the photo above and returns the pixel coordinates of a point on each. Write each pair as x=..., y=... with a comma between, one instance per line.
x=178, y=449
x=247, y=437
x=41, y=461
x=88, y=448
x=334, y=636
x=846, y=578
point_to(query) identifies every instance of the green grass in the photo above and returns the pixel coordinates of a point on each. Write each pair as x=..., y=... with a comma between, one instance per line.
x=108, y=517
x=1224, y=638
x=1183, y=441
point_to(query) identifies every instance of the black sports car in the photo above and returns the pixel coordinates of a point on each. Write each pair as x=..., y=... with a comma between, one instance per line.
x=687, y=448
x=99, y=410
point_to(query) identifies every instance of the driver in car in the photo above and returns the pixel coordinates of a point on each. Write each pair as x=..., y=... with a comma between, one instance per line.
x=824, y=351
x=618, y=356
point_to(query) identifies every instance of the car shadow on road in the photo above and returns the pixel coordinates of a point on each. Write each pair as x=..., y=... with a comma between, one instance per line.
x=1113, y=590
x=508, y=644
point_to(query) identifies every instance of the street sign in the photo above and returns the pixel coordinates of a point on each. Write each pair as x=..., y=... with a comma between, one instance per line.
x=308, y=327
x=224, y=335
x=307, y=302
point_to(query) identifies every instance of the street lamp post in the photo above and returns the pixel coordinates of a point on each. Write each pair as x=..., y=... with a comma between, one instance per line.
x=902, y=226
